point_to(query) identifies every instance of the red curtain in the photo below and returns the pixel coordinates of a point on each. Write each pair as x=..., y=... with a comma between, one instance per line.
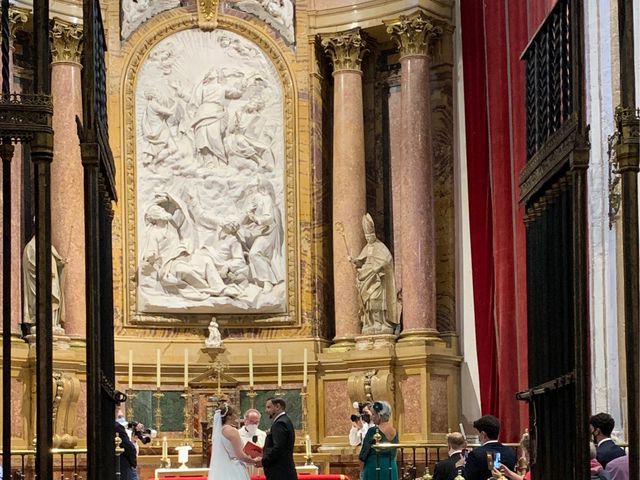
x=494, y=34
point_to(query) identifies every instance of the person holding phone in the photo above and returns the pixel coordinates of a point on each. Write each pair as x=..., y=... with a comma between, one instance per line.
x=477, y=467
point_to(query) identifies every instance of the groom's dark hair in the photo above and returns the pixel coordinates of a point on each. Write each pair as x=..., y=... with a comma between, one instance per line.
x=278, y=401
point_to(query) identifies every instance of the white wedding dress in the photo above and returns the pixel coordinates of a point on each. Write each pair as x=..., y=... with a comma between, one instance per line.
x=224, y=465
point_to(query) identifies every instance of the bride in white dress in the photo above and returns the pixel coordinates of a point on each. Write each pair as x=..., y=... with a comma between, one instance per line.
x=227, y=458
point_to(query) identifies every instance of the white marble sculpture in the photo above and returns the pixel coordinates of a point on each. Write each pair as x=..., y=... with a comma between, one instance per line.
x=29, y=287
x=277, y=13
x=214, y=340
x=210, y=177
x=136, y=12
x=376, y=284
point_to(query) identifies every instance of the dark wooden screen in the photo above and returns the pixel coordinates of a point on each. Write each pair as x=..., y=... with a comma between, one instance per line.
x=553, y=187
x=99, y=193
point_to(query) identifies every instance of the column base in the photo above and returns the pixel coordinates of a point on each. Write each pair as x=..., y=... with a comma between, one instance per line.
x=342, y=344
x=376, y=341
x=427, y=336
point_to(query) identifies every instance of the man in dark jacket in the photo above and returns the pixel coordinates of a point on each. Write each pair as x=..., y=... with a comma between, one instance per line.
x=601, y=426
x=278, y=446
x=128, y=458
x=448, y=469
x=477, y=465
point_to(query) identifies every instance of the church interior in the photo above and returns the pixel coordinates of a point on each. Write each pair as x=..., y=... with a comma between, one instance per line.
x=430, y=205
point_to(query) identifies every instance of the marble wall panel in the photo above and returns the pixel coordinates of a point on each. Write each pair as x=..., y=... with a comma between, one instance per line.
x=81, y=413
x=411, y=392
x=439, y=403
x=291, y=397
x=17, y=388
x=337, y=408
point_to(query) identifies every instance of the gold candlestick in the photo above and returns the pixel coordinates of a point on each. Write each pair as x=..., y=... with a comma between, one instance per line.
x=252, y=394
x=279, y=391
x=129, y=405
x=187, y=415
x=158, y=396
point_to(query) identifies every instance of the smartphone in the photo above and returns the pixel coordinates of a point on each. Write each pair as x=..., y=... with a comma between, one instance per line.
x=496, y=460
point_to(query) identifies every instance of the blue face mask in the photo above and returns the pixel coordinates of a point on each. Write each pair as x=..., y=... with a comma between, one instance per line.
x=122, y=421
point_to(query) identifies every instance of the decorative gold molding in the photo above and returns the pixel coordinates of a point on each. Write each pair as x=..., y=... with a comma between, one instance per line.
x=66, y=42
x=346, y=49
x=207, y=14
x=413, y=34
x=162, y=28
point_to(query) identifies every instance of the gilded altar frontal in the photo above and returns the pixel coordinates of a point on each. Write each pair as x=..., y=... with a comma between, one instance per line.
x=357, y=225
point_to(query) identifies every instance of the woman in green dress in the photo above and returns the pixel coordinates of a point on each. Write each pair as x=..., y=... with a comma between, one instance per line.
x=380, y=466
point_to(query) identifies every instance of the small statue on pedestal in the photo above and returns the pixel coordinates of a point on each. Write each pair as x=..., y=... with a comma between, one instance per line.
x=376, y=284
x=215, y=339
x=29, y=286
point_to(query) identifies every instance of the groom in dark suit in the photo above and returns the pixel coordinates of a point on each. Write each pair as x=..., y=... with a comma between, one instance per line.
x=277, y=459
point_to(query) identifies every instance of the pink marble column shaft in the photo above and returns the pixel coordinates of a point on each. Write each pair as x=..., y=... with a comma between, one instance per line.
x=416, y=191
x=349, y=198
x=394, y=106
x=67, y=192
x=346, y=50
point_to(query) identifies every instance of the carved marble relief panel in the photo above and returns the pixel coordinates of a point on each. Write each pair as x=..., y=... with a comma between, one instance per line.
x=135, y=12
x=277, y=13
x=211, y=199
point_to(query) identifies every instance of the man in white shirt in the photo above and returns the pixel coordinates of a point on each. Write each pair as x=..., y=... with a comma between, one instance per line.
x=359, y=426
x=250, y=431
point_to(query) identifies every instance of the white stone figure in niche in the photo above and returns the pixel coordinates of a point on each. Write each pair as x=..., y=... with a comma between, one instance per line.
x=277, y=13
x=376, y=284
x=29, y=286
x=136, y=12
x=210, y=177
x=215, y=339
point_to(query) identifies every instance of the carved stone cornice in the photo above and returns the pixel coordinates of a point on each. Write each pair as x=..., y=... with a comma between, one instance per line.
x=207, y=14
x=413, y=34
x=66, y=42
x=346, y=49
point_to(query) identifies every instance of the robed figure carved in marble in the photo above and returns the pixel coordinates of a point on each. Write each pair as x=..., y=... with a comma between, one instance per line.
x=210, y=177
x=29, y=287
x=376, y=284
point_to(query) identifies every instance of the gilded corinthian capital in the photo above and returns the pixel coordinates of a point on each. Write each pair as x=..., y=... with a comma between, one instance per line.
x=413, y=34
x=346, y=49
x=66, y=41
x=17, y=20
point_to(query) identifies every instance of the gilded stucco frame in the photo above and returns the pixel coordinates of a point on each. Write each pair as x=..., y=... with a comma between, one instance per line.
x=160, y=28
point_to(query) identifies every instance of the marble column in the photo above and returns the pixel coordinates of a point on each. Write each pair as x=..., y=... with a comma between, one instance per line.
x=394, y=108
x=413, y=34
x=67, y=192
x=346, y=50
x=18, y=19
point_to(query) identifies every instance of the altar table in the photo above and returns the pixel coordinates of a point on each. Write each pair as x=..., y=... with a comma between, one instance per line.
x=262, y=477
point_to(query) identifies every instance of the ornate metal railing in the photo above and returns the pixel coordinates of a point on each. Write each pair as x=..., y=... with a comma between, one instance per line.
x=68, y=464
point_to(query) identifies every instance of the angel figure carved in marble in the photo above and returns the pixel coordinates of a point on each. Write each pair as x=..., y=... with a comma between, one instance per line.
x=249, y=138
x=209, y=100
x=263, y=235
x=156, y=131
